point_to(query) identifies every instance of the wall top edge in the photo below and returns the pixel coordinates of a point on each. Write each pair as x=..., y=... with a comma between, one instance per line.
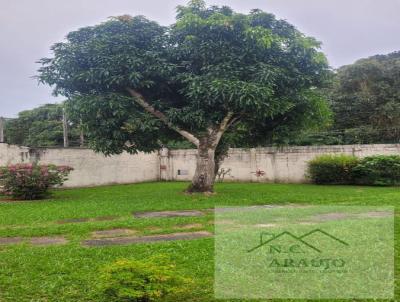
x=258, y=149
x=298, y=148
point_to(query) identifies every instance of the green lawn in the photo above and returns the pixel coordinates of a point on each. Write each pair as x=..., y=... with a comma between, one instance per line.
x=69, y=272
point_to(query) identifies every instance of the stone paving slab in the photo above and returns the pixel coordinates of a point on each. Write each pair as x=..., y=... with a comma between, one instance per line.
x=253, y=207
x=73, y=220
x=40, y=241
x=331, y=216
x=10, y=240
x=375, y=214
x=162, y=214
x=188, y=226
x=341, y=216
x=80, y=220
x=113, y=233
x=45, y=241
x=147, y=239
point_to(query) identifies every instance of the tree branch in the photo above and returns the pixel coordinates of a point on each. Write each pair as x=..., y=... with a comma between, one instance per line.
x=233, y=121
x=222, y=128
x=139, y=99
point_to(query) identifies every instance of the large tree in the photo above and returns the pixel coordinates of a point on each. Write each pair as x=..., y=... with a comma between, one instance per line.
x=366, y=100
x=213, y=75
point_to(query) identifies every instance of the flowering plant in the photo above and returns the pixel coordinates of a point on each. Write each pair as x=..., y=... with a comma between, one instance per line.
x=31, y=181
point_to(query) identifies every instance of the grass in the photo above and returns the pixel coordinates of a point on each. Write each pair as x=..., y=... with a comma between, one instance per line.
x=70, y=272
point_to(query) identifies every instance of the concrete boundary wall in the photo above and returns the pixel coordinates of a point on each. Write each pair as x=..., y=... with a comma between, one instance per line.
x=90, y=168
x=270, y=164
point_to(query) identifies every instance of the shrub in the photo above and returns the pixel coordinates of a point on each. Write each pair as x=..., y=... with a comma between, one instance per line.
x=154, y=279
x=381, y=170
x=31, y=181
x=332, y=169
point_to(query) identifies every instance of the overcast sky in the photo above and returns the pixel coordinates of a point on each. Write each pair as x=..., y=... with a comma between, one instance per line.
x=348, y=29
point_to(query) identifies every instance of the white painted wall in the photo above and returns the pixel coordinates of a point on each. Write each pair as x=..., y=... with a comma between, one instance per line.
x=285, y=164
x=11, y=154
x=90, y=168
x=280, y=164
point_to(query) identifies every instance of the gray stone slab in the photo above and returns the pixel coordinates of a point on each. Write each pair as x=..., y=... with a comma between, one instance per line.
x=147, y=239
x=375, y=214
x=113, y=233
x=45, y=241
x=10, y=240
x=340, y=216
x=162, y=214
x=255, y=207
x=188, y=226
x=331, y=216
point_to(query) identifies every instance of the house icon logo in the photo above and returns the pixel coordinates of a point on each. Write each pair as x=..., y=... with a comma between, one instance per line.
x=267, y=239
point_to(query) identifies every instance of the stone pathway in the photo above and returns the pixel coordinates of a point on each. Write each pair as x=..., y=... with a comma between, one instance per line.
x=163, y=214
x=36, y=241
x=10, y=240
x=375, y=214
x=341, y=216
x=188, y=226
x=330, y=216
x=255, y=207
x=73, y=220
x=125, y=236
x=45, y=241
x=147, y=239
x=80, y=220
x=176, y=213
x=113, y=233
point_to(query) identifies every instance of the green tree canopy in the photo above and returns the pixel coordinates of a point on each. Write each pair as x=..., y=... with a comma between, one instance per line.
x=39, y=127
x=366, y=100
x=212, y=74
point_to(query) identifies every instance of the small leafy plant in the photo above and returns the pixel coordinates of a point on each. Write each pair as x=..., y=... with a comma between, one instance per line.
x=31, y=181
x=332, y=169
x=153, y=279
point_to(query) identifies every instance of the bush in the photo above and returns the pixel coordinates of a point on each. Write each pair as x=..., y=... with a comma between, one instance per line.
x=332, y=169
x=154, y=279
x=31, y=181
x=382, y=170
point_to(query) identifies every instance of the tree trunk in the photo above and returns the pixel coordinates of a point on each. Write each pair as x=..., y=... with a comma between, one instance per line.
x=204, y=177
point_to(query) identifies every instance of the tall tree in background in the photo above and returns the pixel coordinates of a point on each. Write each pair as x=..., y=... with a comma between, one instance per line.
x=214, y=75
x=39, y=127
x=366, y=100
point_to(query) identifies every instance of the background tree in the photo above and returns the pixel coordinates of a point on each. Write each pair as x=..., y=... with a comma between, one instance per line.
x=39, y=127
x=366, y=100
x=214, y=74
